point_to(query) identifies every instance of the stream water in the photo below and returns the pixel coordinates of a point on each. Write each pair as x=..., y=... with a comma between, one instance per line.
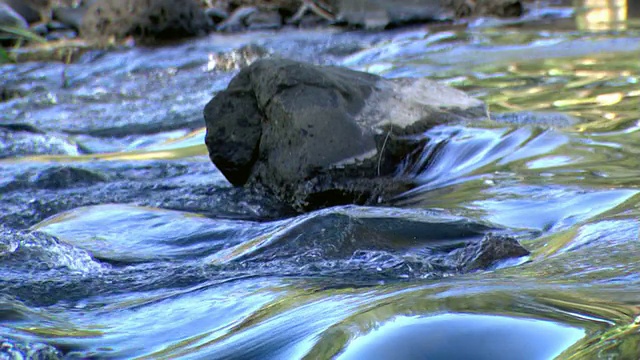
x=157, y=257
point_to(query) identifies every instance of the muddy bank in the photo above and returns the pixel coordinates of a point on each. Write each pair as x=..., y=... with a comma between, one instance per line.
x=109, y=22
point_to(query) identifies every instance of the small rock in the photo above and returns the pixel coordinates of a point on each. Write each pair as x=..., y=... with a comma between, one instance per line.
x=286, y=7
x=264, y=20
x=311, y=21
x=540, y=118
x=61, y=35
x=25, y=11
x=485, y=253
x=62, y=177
x=57, y=26
x=236, y=21
x=40, y=29
x=70, y=17
x=9, y=17
x=216, y=14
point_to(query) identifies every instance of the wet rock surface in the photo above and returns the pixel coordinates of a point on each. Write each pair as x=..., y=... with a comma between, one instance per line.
x=322, y=136
x=487, y=252
x=17, y=140
x=32, y=193
x=431, y=246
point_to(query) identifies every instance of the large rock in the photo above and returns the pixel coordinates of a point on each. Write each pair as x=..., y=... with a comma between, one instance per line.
x=148, y=21
x=318, y=136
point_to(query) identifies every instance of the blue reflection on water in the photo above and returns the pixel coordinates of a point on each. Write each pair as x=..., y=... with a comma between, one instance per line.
x=464, y=336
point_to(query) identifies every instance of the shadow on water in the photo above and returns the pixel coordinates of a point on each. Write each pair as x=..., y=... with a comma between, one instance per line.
x=127, y=278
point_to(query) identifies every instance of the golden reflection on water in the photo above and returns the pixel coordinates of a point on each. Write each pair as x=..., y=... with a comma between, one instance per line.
x=191, y=144
x=599, y=15
x=601, y=89
x=172, y=154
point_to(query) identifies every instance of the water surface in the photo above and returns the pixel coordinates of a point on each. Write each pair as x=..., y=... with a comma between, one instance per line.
x=185, y=266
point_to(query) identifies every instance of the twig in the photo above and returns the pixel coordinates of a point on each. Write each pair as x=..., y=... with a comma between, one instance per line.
x=384, y=144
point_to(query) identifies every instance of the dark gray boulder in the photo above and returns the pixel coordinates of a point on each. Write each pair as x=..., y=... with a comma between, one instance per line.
x=317, y=136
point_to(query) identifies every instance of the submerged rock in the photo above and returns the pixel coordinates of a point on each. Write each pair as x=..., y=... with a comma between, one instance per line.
x=23, y=140
x=374, y=242
x=538, y=118
x=62, y=177
x=146, y=20
x=32, y=192
x=27, y=251
x=487, y=252
x=318, y=136
x=16, y=349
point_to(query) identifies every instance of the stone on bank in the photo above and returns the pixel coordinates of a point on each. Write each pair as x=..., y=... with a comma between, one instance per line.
x=317, y=136
x=148, y=21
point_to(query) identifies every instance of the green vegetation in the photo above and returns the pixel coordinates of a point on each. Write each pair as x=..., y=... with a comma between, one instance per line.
x=29, y=46
x=20, y=36
x=4, y=56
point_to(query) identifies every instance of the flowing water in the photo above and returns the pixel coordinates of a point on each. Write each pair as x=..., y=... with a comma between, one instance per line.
x=226, y=276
